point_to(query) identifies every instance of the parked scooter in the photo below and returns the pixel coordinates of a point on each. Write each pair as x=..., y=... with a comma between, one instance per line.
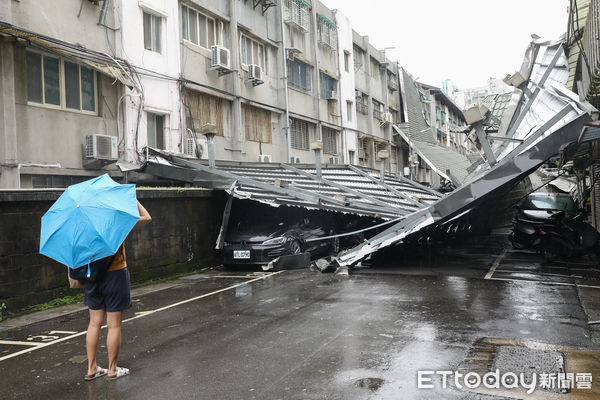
x=572, y=237
x=554, y=235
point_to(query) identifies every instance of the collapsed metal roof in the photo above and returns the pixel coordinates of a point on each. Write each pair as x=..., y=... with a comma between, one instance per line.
x=341, y=188
x=547, y=118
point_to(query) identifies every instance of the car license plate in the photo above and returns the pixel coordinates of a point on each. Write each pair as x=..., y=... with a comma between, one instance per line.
x=241, y=254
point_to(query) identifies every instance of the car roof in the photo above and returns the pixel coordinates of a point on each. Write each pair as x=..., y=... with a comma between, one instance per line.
x=548, y=194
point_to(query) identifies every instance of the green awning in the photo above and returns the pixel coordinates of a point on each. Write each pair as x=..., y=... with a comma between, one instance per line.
x=327, y=20
x=306, y=3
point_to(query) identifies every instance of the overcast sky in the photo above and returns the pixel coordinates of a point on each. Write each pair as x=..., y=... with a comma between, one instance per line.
x=467, y=41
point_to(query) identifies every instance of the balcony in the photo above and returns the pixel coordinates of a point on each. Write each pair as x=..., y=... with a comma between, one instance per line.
x=362, y=108
x=392, y=83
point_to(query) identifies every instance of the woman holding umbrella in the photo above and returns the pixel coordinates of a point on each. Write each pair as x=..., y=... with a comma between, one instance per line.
x=87, y=223
x=109, y=297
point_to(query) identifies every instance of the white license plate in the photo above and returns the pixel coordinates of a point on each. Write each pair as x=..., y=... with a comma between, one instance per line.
x=241, y=254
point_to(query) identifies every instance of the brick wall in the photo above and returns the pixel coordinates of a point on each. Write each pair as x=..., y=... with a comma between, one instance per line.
x=181, y=238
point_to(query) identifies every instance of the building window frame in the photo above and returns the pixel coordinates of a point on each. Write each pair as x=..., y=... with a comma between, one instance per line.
x=62, y=84
x=158, y=135
x=186, y=27
x=152, y=30
x=349, y=109
x=255, y=46
x=327, y=33
x=300, y=134
x=299, y=74
x=328, y=86
x=346, y=61
x=330, y=141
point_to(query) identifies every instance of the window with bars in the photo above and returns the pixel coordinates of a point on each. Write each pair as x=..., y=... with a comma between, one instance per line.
x=330, y=141
x=359, y=57
x=378, y=110
x=198, y=28
x=362, y=105
x=299, y=74
x=300, y=134
x=59, y=83
x=326, y=32
x=297, y=14
x=364, y=151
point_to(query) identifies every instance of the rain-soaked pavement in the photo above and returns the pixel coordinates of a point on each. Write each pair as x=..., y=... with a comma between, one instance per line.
x=305, y=335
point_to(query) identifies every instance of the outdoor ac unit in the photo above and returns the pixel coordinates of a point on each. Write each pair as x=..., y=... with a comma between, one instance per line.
x=332, y=96
x=264, y=158
x=101, y=147
x=388, y=117
x=221, y=58
x=190, y=149
x=255, y=74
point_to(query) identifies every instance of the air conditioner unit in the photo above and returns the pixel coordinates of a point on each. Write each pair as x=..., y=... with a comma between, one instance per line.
x=101, y=147
x=388, y=117
x=255, y=74
x=334, y=160
x=221, y=58
x=264, y=158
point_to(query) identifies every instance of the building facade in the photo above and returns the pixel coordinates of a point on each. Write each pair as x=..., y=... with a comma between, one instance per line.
x=107, y=80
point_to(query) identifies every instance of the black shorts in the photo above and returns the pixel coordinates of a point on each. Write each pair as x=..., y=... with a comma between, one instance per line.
x=112, y=293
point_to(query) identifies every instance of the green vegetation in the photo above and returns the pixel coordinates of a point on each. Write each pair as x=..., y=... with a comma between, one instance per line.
x=61, y=301
x=3, y=313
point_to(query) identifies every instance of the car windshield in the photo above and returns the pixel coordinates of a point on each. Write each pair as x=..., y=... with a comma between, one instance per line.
x=549, y=203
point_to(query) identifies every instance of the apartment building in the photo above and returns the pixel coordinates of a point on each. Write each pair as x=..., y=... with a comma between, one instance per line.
x=88, y=83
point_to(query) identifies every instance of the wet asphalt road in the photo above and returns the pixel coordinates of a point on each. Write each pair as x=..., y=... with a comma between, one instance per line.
x=304, y=335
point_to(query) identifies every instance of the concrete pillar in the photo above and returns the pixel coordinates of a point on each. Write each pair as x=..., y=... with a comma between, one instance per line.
x=8, y=123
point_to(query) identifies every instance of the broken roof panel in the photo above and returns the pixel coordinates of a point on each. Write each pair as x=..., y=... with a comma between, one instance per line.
x=549, y=118
x=419, y=135
x=341, y=188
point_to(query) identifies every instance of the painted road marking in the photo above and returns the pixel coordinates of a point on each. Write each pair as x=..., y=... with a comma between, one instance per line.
x=46, y=344
x=545, y=282
x=17, y=343
x=527, y=272
x=496, y=263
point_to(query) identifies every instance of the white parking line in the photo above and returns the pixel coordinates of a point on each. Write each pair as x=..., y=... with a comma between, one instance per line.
x=42, y=345
x=17, y=343
x=496, y=263
x=545, y=282
x=518, y=271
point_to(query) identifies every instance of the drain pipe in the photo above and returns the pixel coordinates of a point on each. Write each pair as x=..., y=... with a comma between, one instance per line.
x=383, y=155
x=285, y=90
x=57, y=165
x=210, y=130
x=317, y=147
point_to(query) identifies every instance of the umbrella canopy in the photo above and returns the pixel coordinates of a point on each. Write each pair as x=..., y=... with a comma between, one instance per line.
x=89, y=221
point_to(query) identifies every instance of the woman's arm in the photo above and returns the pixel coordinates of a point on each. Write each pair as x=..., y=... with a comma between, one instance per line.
x=145, y=217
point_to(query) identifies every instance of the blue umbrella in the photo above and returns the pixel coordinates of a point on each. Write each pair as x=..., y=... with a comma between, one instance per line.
x=89, y=221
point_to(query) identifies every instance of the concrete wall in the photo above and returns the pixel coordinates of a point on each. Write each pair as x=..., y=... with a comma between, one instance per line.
x=181, y=238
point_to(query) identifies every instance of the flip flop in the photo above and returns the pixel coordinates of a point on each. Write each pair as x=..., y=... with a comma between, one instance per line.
x=120, y=372
x=99, y=372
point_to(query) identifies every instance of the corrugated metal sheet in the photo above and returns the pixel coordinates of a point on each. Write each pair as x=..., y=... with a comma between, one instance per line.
x=341, y=188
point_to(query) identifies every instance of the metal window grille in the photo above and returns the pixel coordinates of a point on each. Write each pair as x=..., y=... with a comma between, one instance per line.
x=327, y=32
x=299, y=134
x=328, y=86
x=297, y=14
x=330, y=141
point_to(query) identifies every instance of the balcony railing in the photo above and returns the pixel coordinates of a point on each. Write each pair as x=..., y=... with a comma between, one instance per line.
x=377, y=115
x=591, y=46
x=392, y=84
x=362, y=108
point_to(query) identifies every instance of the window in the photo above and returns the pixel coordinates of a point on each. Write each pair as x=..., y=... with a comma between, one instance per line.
x=199, y=28
x=346, y=61
x=362, y=105
x=374, y=68
x=330, y=141
x=299, y=74
x=328, y=87
x=60, y=83
x=297, y=14
x=155, y=125
x=207, y=109
x=299, y=134
x=348, y=110
x=378, y=110
x=326, y=32
x=257, y=124
x=253, y=52
x=55, y=181
x=152, y=25
x=359, y=58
